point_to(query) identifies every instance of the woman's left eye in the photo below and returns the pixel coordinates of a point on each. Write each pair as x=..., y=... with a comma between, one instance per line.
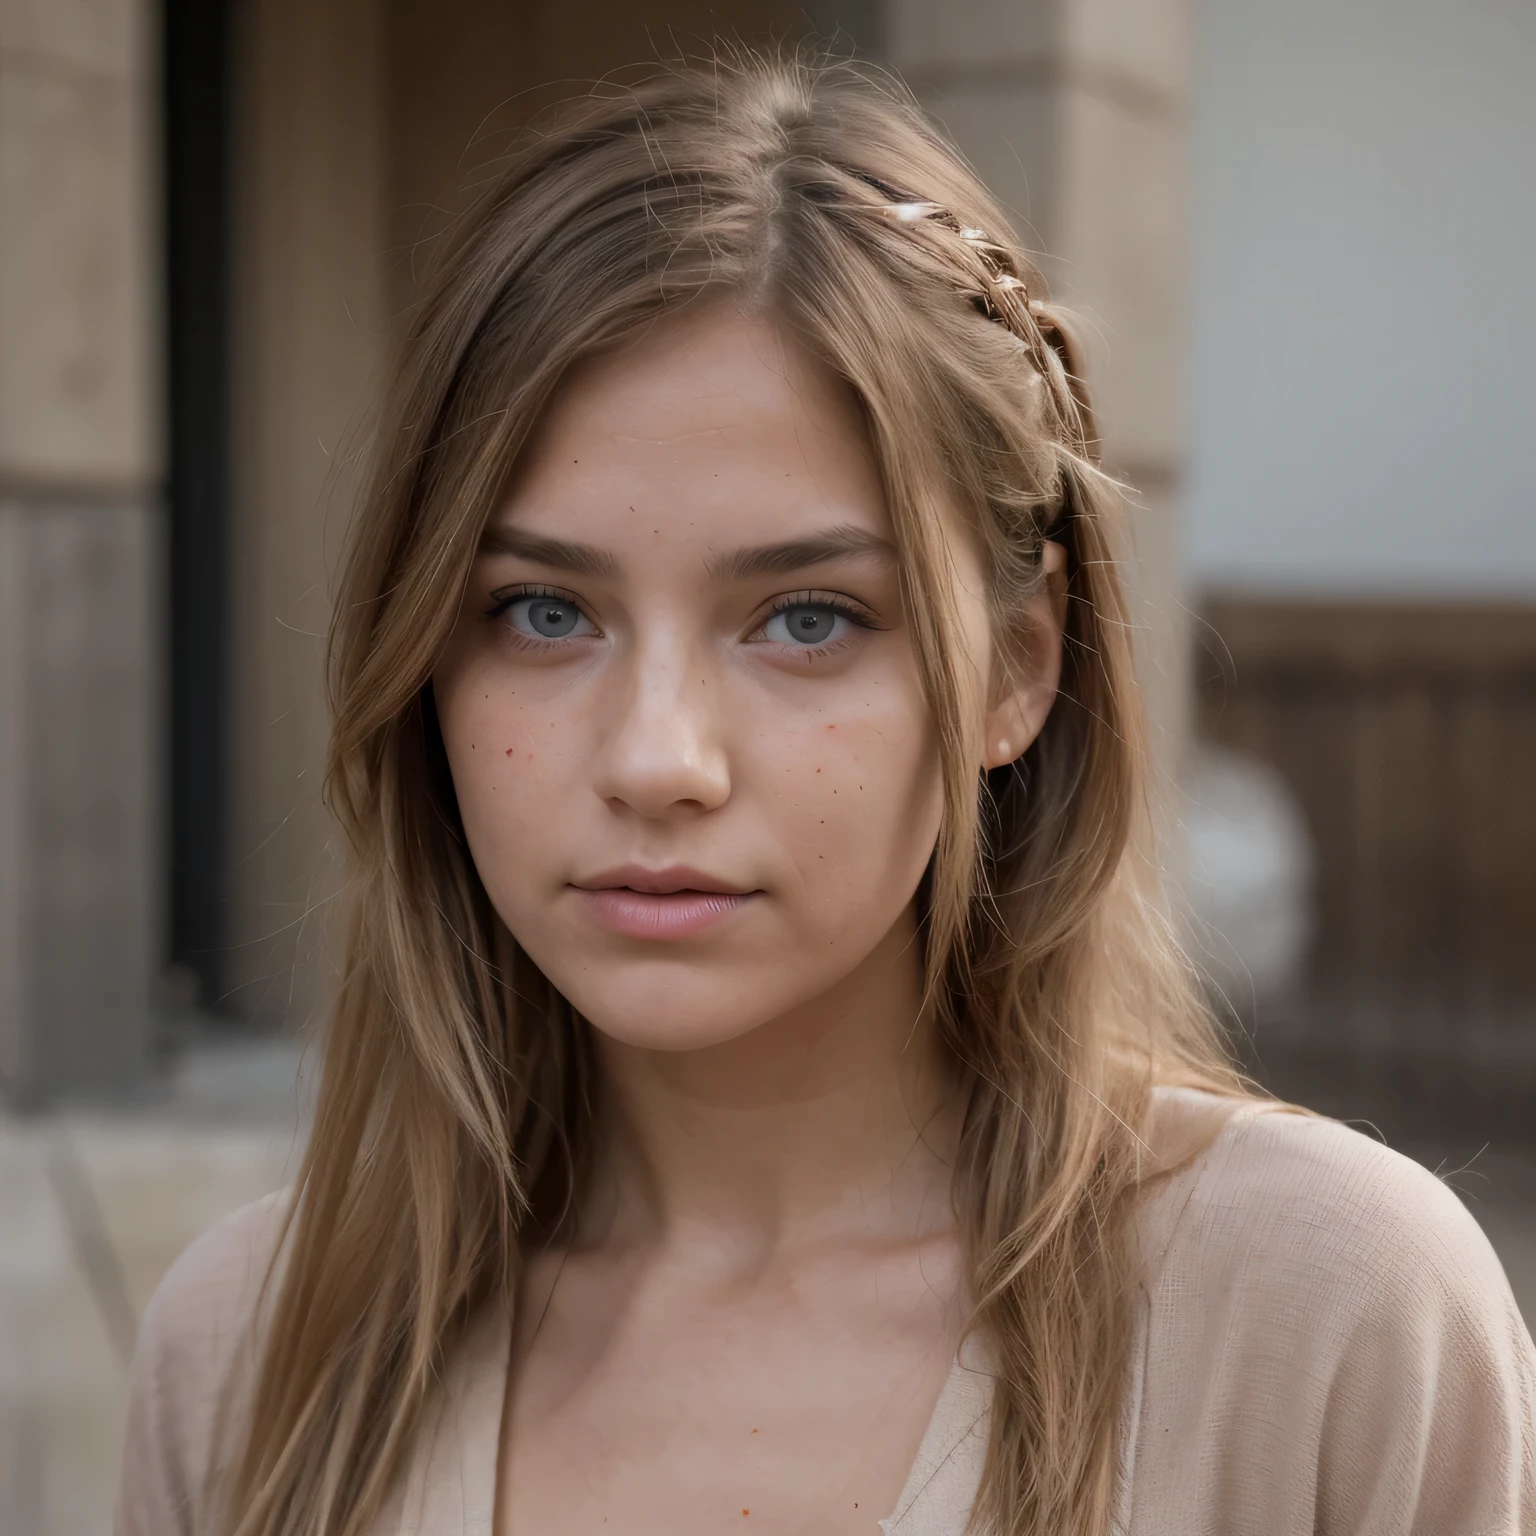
x=809, y=624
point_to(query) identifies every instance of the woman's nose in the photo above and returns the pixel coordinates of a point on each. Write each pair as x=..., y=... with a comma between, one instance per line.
x=665, y=752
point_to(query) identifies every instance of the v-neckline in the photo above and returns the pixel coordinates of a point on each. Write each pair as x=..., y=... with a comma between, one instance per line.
x=945, y=1476
x=450, y=1483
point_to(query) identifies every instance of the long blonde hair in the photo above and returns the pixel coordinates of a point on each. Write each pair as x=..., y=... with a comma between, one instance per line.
x=454, y=1117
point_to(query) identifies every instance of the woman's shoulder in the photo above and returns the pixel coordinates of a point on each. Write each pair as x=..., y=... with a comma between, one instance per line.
x=206, y=1301
x=1328, y=1334
x=193, y=1365
x=1260, y=1178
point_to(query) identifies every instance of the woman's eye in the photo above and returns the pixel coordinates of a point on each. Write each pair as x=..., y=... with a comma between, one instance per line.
x=548, y=618
x=807, y=624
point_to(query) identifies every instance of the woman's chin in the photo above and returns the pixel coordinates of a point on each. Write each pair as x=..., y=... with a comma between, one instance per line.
x=667, y=1014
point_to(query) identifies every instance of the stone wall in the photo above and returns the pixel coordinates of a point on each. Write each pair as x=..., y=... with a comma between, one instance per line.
x=80, y=532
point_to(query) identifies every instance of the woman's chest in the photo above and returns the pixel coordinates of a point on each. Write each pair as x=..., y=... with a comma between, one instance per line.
x=687, y=1410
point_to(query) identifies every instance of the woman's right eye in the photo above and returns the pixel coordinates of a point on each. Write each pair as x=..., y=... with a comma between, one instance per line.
x=541, y=618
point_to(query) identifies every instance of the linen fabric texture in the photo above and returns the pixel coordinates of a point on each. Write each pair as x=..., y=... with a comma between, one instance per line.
x=1325, y=1345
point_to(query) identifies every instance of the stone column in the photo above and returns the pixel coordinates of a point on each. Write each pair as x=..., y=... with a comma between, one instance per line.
x=1073, y=111
x=80, y=536
x=309, y=334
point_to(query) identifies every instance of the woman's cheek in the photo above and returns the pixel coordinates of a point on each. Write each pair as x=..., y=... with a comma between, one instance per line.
x=860, y=815
x=505, y=766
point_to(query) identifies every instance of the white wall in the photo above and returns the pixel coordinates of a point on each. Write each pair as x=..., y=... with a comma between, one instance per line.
x=1364, y=297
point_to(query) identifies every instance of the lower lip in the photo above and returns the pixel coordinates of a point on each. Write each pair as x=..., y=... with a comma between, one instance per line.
x=649, y=915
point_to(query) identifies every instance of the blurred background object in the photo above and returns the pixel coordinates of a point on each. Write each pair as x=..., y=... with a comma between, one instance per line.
x=1361, y=523
x=1247, y=881
x=1300, y=237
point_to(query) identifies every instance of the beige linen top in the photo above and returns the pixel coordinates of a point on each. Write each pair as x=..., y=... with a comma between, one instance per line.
x=1325, y=1344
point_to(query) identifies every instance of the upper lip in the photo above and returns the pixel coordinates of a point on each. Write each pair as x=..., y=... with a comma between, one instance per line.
x=660, y=882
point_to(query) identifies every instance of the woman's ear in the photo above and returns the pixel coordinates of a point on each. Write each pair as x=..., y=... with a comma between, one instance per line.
x=1028, y=676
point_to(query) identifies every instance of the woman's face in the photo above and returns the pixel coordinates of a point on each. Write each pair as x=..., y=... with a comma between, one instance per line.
x=695, y=765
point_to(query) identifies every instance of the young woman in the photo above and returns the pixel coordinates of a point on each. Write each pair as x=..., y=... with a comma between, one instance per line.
x=762, y=1094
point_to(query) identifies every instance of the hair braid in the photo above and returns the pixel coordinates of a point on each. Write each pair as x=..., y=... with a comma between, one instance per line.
x=992, y=282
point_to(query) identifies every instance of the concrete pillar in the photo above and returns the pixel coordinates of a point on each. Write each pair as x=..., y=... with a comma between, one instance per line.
x=80, y=543
x=309, y=336
x=1073, y=111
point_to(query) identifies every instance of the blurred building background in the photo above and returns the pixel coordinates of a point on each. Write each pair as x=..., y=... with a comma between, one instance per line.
x=1361, y=519
x=1301, y=234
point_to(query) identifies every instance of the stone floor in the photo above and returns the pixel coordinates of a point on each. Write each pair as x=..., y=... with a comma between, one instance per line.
x=95, y=1202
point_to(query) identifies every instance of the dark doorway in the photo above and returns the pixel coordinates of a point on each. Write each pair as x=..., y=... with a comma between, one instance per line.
x=196, y=61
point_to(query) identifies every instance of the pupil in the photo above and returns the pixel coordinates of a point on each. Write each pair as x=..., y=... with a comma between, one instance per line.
x=809, y=623
x=552, y=619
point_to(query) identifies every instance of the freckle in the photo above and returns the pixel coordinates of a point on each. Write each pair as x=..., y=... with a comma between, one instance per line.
x=746, y=1511
x=755, y=1431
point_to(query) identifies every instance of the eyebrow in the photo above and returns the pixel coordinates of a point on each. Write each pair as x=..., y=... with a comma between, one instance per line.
x=841, y=542
x=583, y=559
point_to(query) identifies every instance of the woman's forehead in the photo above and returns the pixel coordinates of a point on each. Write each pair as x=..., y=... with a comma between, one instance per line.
x=711, y=418
x=714, y=362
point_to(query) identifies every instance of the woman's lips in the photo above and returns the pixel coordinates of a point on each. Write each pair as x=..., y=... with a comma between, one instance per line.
x=659, y=914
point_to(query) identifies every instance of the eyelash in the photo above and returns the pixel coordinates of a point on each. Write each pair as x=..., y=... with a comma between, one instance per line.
x=503, y=598
x=855, y=613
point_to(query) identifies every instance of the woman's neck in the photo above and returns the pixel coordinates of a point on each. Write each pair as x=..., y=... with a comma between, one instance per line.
x=837, y=1121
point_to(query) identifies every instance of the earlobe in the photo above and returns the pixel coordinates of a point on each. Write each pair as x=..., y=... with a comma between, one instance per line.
x=1010, y=730
x=1034, y=675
